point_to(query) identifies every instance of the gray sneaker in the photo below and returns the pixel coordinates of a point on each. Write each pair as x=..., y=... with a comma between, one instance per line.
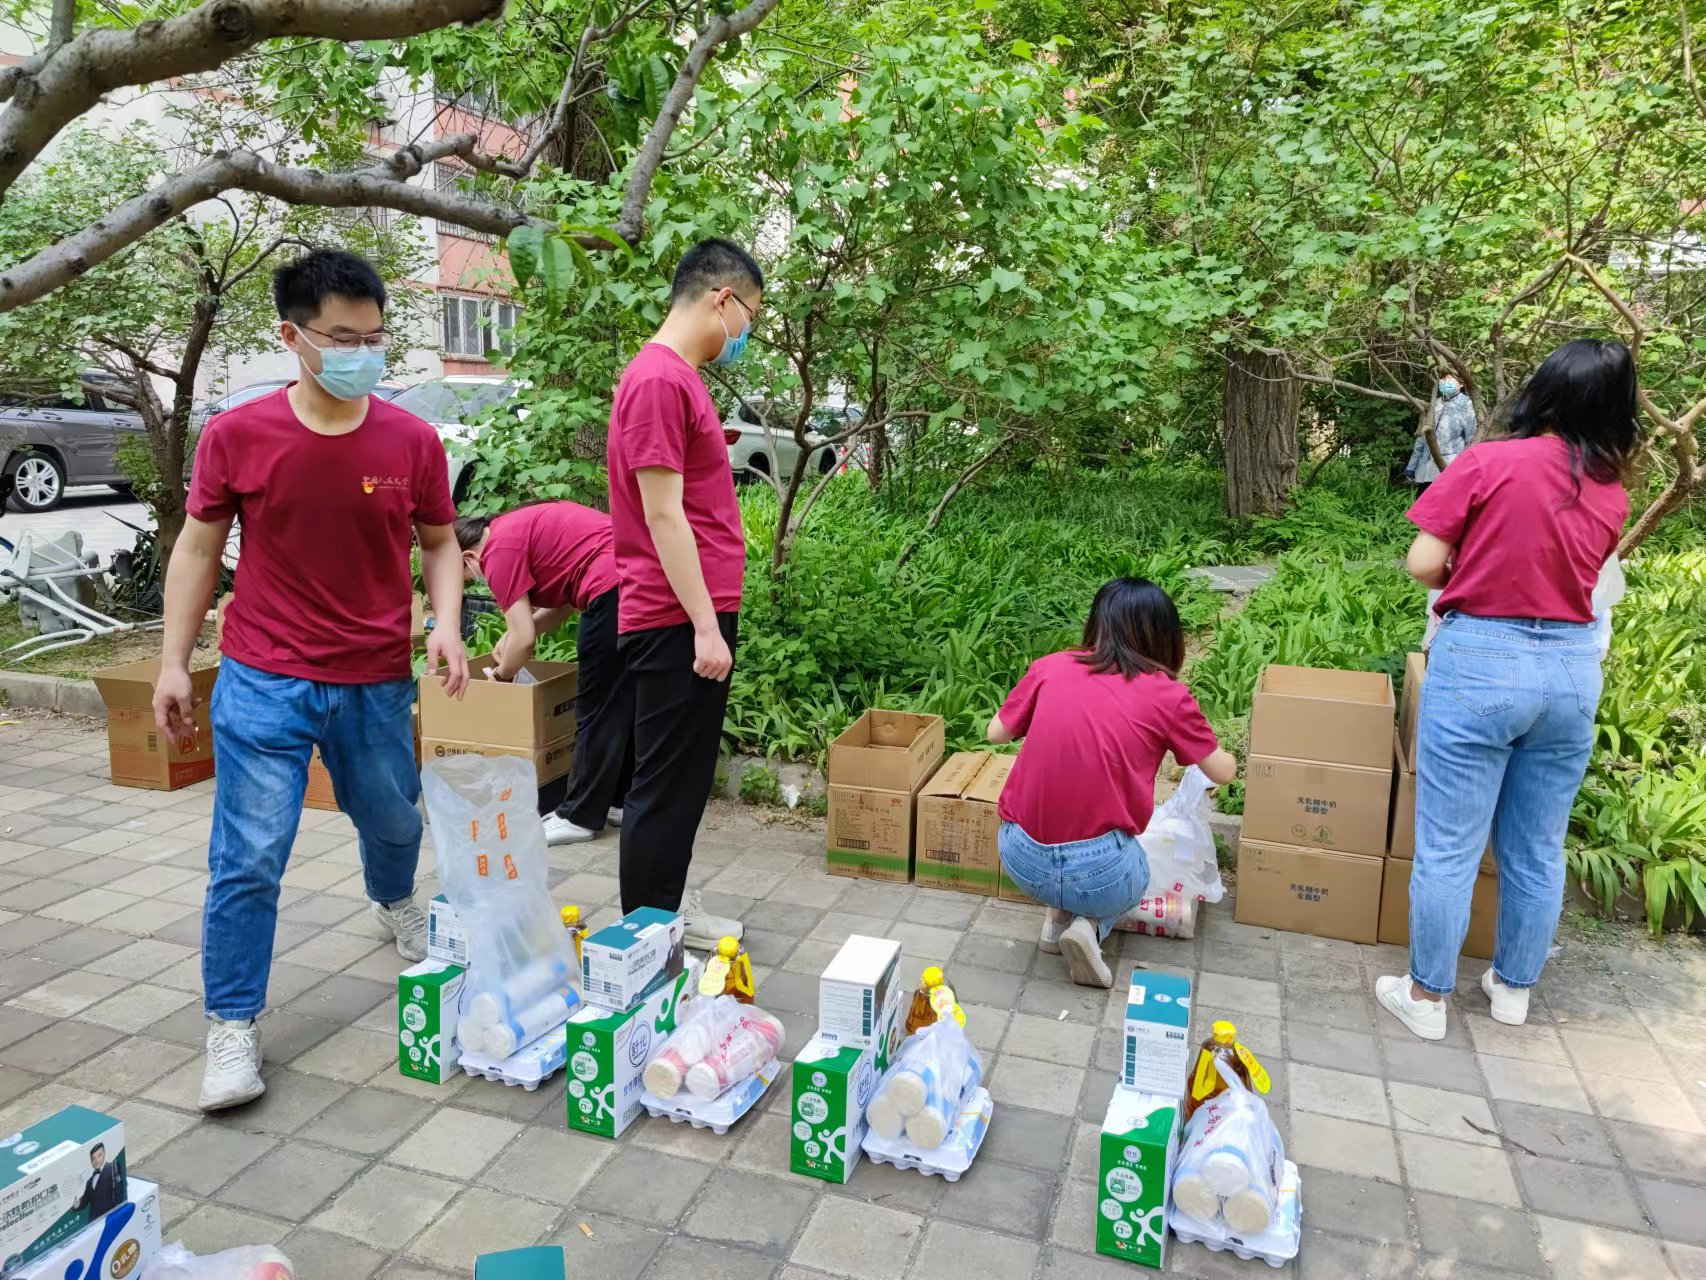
x=407, y=923
x=1082, y=947
x=704, y=930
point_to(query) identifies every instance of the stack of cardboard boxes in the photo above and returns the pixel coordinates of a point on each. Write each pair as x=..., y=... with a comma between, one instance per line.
x=1317, y=802
x=876, y=768
x=535, y=721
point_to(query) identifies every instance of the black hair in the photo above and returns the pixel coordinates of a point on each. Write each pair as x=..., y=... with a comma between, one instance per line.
x=713, y=264
x=470, y=529
x=99, y=1146
x=1584, y=393
x=300, y=288
x=1133, y=628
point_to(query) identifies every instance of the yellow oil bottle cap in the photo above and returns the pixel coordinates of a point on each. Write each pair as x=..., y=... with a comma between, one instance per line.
x=571, y=917
x=1225, y=1033
x=728, y=947
x=932, y=977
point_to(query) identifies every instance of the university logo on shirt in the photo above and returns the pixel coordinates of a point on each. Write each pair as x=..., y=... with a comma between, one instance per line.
x=370, y=483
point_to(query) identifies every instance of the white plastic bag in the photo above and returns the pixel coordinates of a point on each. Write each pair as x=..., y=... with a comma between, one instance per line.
x=921, y=1092
x=522, y=979
x=250, y=1262
x=1231, y=1162
x=716, y=1045
x=1179, y=843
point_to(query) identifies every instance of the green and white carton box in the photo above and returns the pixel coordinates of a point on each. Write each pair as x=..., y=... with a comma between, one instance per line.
x=833, y=1084
x=1157, y=1056
x=56, y=1177
x=426, y=1020
x=1140, y=1138
x=608, y=1053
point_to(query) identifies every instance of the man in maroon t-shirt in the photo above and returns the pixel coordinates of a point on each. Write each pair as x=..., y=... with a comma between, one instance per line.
x=680, y=557
x=329, y=483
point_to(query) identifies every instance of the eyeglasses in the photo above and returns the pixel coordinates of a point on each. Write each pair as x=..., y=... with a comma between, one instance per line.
x=378, y=340
x=751, y=314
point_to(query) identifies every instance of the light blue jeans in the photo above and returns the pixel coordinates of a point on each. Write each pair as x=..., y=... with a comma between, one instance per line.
x=264, y=728
x=1503, y=739
x=1100, y=879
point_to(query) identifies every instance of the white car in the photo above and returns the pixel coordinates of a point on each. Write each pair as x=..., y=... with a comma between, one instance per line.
x=452, y=404
x=753, y=451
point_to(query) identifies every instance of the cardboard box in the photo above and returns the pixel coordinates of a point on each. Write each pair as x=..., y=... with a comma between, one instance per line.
x=1410, y=703
x=886, y=751
x=319, y=794
x=550, y=762
x=525, y=717
x=958, y=845
x=1401, y=842
x=855, y=991
x=56, y=1177
x=1140, y=1139
x=833, y=1084
x=625, y=962
x=447, y=940
x=116, y=1247
x=426, y=1020
x=868, y=834
x=138, y=753
x=1395, y=909
x=417, y=622
x=608, y=1053
x=1157, y=1055
x=1328, y=806
x=1333, y=717
x=1317, y=891
x=1007, y=891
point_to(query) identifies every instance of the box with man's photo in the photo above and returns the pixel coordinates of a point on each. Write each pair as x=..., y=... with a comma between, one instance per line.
x=56, y=1177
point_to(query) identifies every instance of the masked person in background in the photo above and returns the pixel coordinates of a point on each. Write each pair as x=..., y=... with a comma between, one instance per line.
x=541, y=564
x=330, y=484
x=1454, y=428
x=681, y=558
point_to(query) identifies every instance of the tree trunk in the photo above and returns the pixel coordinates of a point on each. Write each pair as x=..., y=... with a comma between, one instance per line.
x=1261, y=406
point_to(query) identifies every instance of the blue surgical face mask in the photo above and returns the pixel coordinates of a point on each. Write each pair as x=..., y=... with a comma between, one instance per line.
x=1447, y=387
x=349, y=375
x=732, y=345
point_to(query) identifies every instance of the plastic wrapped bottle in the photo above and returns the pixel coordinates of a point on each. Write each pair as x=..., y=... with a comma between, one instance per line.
x=729, y=972
x=923, y=1012
x=740, y=1052
x=1206, y=1080
x=537, y=1019
x=577, y=930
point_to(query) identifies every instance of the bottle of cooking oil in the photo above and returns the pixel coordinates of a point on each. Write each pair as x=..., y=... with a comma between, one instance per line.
x=572, y=922
x=1222, y=1046
x=923, y=1011
x=729, y=972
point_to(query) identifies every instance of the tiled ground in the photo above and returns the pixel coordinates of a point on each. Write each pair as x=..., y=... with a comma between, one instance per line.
x=1575, y=1147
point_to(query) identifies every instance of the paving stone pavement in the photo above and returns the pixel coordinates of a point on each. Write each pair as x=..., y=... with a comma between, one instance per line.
x=1574, y=1147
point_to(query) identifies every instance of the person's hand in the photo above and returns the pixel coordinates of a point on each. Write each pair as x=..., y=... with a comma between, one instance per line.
x=174, y=703
x=711, y=656
x=445, y=646
x=500, y=648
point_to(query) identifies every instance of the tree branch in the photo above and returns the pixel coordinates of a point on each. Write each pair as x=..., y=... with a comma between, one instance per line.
x=62, y=23
x=960, y=481
x=137, y=358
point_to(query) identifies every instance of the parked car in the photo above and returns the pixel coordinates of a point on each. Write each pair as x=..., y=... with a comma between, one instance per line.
x=452, y=404
x=750, y=446
x=386, y=390
x=49, y=443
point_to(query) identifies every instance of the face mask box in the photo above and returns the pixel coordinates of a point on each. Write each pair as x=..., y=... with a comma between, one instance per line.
x=56, y=1177
x=1140, y=1138
x=833, y=1084
x=608, y=1053
x=625, y=962
x=426, y=1020
x=1157, y=1053
x=447, y=940
x=115, y=1247
x=855, y=991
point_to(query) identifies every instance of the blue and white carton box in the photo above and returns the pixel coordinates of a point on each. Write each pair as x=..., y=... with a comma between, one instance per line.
x=1157, y=1056
x=56, y=1177
x=447, y=940
x=625, y=962
x=116, y=1246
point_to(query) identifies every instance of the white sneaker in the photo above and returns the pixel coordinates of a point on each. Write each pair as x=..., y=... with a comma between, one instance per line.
x=407, y=923
x=1424, y=1017
x=232, y=1075
x=1510, y=1004
x=561, y=831
x=1082, y=947
x=704, y=931
x=1048, y=942
x=614, y=817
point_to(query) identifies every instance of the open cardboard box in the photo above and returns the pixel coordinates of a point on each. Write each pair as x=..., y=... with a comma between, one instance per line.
x=958, y=827
x=887, y=751
x=1331, y=717
x=526, y=717
x=138, y=753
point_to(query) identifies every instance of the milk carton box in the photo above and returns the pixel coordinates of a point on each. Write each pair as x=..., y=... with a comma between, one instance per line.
x=1140, y=1136
x=116, y=1246
x=854, y=992
x=426, y=1020
x=832, y=1085
x=56, y=1177
x=1157, y=1053
x=625, y=962
x=608, y=1052
x=447, y=940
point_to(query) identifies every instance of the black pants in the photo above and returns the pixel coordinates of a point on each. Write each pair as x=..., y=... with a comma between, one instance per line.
x=678, y=728
x=604, y=721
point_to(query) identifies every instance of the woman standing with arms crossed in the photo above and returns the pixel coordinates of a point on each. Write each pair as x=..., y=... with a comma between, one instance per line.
x=1514, y=532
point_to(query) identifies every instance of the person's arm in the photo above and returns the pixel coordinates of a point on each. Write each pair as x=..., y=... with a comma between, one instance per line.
x=1429, y=561
x=515, y=651
x=441, y=570
x=1220, y=766
x=678, y=552
x=545, y=621
x=190, y=579
x=999, y=734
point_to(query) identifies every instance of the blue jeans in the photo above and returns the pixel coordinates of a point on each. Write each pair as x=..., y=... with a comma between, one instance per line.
x=1100, y=879
x=264, y=728
x=1503, y=739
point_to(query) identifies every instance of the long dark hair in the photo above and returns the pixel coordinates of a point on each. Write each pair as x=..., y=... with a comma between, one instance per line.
x=1584, y=393
x=1133, y=628
x=470, y=529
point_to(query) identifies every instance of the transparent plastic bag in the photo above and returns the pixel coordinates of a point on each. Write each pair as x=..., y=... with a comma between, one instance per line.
x=522, y=979
x=1179, y=843
x=1231, y=1162
x=920, y=1094
x=716, y=1045
x=250, y=1262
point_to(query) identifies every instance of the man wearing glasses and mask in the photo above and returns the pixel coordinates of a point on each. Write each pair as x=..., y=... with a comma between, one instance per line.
x=329, y=483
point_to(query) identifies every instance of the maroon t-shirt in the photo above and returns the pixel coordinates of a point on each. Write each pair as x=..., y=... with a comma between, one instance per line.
x=324, y=590
x=555, y=554
x=1528, y=545
x=1093, y=744
x=664, y=417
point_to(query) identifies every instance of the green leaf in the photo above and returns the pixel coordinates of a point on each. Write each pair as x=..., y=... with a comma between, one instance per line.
x=525, y=244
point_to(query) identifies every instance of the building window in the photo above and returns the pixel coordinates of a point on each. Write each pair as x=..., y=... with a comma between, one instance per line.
x=503, y=326
x=448, y=177
x=473, y=327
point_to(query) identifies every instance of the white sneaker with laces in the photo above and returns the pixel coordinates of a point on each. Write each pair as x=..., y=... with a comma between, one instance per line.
x=1082, y=947
x=407, y=923
x=560, y=831
x=232, y=1074
x=1048, y=942
x=614, y=817
x=1424, y=1017
x=704, y=931
x=1510, y=1004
